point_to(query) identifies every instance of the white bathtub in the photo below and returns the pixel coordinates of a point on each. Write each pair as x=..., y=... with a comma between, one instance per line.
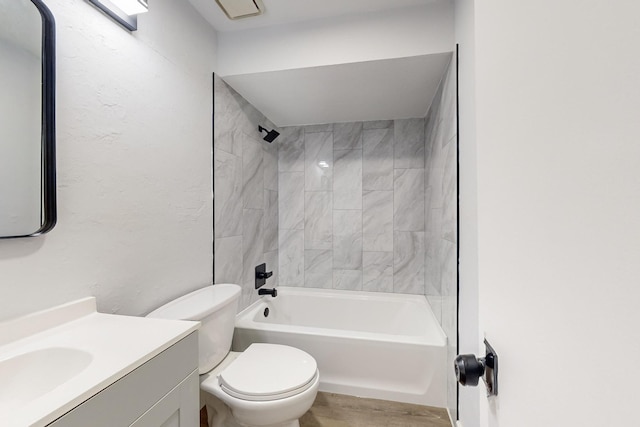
x=376, y=345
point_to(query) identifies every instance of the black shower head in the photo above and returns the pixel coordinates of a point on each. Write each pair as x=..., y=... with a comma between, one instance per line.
x=271, y=134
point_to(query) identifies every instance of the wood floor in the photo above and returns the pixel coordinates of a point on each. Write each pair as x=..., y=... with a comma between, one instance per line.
x=336, y=410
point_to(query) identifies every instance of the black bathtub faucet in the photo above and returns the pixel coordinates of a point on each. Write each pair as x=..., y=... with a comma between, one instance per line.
x=261, y=279
x=272, y=292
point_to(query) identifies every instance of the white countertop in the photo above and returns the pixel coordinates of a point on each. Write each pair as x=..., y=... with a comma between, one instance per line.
x=117, y=345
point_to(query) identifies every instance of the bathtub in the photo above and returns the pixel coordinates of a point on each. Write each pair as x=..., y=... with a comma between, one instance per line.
x=375, y=345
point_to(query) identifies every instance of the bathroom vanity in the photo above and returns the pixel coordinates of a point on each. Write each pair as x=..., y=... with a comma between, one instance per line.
x=71, y=366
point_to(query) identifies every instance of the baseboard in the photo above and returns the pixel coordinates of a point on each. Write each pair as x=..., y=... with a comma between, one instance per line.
x=453, y=422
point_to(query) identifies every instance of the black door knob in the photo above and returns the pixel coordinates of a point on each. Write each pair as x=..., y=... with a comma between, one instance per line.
x=469, y=369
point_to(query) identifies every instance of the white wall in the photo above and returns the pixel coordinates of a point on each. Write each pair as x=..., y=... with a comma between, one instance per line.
x=469, y=397
x=371, y=36
x=134, y=165
x=558, y=95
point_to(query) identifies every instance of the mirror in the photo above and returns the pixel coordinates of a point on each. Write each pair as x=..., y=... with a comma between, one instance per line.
x=27, y=114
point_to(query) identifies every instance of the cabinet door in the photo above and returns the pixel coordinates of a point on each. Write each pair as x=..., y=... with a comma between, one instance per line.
x=178, y=408
x=123, y=402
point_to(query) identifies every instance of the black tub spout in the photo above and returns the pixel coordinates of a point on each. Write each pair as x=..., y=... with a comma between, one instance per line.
x=272, y=292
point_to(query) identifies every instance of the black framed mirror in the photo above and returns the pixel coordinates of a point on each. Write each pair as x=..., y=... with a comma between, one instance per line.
x=27, y=119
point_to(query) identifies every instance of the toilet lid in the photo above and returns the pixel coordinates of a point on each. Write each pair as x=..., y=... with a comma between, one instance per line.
x=268, y=372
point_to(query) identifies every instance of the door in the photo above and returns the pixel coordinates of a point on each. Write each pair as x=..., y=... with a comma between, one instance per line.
x=558, y=210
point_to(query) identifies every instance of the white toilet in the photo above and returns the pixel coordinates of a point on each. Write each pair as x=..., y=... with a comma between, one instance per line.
x=266, y=385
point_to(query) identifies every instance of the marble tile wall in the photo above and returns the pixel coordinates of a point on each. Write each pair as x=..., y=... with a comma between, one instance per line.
x=246, y=205
x=441, y=216
x=352, y=206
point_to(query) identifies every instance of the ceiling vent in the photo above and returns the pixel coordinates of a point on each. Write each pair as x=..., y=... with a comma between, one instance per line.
x=238, y=9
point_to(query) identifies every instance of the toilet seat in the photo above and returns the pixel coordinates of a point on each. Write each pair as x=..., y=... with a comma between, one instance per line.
x=265, y=372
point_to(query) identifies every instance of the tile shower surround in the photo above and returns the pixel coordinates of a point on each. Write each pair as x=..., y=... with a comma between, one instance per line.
x=352, y=206
x=246, y=193
x=364, y=206
x=372, y=205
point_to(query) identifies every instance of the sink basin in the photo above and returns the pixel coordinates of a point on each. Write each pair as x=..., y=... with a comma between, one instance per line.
x=53, y=360
x=32, y=374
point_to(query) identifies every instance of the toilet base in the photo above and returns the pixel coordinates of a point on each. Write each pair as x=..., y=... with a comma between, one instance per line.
x=219, y=414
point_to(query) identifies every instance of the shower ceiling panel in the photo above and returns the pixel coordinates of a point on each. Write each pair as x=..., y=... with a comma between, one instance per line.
x=372, y=90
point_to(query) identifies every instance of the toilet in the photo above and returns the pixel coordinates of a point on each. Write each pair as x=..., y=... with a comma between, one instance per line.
x=267, y=385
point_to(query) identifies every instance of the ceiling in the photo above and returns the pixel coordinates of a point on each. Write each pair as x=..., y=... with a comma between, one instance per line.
x=396, y=77
x=278, y=12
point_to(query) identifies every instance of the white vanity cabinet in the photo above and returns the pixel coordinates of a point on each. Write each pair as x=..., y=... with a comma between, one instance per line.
x=163, y=392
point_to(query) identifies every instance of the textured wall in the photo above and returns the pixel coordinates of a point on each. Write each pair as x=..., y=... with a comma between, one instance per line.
x=246, y=193
x=352, y=212
x=441, y=215
x=134, y=165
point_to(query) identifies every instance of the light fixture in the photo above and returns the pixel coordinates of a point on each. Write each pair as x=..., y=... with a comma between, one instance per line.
x=323, y=164
x=124, y=12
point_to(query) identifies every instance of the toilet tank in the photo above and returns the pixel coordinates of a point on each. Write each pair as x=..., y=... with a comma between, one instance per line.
x=215, y=308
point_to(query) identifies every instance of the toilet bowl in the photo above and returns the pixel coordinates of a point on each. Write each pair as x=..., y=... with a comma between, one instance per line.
x=267, y=385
